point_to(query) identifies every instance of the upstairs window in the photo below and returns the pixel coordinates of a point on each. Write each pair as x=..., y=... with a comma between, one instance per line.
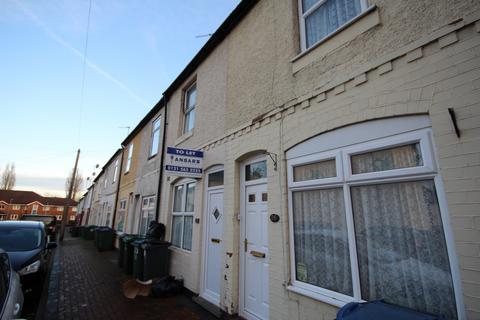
x=155, y=137
x=115, y=172
x=129, y=158
x=35, y=209
x=320, y=18
x=189, y=108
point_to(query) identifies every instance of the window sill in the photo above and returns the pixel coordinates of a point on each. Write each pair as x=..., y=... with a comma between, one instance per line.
x=346, y=33
x=184, y=137
x=179, y=250
x=318, y=296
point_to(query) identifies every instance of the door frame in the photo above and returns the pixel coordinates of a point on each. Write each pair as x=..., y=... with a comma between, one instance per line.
x=204, y=270
x=243, y=186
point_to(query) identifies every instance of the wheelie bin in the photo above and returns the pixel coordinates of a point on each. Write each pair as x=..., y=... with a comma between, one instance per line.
x=151, y=259
x=104, y=238
x=128, y=252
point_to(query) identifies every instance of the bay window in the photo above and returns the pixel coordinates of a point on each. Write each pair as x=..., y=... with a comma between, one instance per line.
x=182, y=221
x=368, y=223
x=320, y=18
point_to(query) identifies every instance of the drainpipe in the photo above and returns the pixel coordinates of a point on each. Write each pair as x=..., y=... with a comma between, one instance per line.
x=118, y=187
x=162, y=156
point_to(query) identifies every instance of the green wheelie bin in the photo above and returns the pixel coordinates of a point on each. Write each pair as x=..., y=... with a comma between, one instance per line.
x=128, y=252
x=104, y=238
x=151, y=259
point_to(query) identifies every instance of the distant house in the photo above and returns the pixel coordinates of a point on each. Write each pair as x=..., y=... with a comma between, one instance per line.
x=15, y=203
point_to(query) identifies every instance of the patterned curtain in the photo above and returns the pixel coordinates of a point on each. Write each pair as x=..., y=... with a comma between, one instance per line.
x=320, y=236
x=328, y=17
x=402, y=254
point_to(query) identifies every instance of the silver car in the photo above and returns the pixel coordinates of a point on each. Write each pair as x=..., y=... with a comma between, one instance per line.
x=11, y=295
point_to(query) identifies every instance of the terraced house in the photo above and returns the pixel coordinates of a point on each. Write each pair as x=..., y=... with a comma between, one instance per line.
x=105, y=192
x=15, y=203
x=341, y=156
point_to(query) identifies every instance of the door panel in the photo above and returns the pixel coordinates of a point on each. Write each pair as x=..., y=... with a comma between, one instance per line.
x=214, y=247
x=256, y=255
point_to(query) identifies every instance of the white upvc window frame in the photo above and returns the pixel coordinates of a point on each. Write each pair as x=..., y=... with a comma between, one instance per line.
x=46, y=208
x=122, y=208
x=302, y=17
x=186, y=109
x=155, y=133
x=129, y=158
x=35, y=209
x=183, y=213
x=14, y=217
x=148, y=204
x=59, y=208
x=59, y=217
x=115, y=171
x=345, y=180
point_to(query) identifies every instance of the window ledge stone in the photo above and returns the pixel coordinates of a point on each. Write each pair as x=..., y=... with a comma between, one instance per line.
x=349, y=31
x=183, y=137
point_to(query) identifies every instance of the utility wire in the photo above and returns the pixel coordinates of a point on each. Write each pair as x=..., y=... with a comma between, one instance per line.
x=82, y=92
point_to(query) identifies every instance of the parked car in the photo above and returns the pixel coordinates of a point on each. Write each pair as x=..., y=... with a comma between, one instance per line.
x=29, y=251
x=50, y=223
x=11, y=296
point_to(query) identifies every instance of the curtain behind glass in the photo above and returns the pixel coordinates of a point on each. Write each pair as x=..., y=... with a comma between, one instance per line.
x=320, y=238
x=402, y=254
x=328, y=17
x=187, y=233
x=388, y=159
x=177, y=230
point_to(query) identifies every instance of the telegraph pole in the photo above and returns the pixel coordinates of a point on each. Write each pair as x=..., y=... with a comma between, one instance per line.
x=69, y=198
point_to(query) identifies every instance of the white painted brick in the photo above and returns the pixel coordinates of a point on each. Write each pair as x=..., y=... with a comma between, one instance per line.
x=322, y=96
x=358, y=80
x=414, y=55
x=339, y=89
x=305, y=104
x=468, y=249
x=447, y=40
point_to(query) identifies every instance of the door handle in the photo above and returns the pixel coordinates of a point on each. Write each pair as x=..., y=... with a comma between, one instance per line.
x=214, y=240
x=257, y=254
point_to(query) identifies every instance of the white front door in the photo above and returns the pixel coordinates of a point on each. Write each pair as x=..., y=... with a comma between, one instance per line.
x=255, y=246
x=213, y=247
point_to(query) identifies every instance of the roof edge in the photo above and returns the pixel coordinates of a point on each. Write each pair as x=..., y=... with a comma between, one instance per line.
x=233, y=19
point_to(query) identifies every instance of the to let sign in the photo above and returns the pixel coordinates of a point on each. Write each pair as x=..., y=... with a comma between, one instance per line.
x=184, y=162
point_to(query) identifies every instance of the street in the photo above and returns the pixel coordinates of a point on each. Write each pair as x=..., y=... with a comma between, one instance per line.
x=87, y=284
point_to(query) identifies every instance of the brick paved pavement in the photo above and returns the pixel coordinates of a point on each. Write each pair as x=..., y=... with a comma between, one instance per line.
x=86, y=284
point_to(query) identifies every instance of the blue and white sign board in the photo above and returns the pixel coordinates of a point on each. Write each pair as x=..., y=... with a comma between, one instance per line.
x=184, y=162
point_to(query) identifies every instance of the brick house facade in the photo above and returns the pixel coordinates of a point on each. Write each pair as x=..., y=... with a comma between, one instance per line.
x=15, y=203
x=341, y=162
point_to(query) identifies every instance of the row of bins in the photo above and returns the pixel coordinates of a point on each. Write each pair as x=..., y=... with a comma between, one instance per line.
x=103, y=237
x=146, y=257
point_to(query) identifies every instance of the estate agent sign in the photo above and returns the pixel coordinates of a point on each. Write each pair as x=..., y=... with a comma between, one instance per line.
x=184, y=162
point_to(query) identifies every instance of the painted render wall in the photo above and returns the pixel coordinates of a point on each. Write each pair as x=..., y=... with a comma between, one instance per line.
x=128, y=181
x=209, y=123
x=403, y=64
x=148, y=168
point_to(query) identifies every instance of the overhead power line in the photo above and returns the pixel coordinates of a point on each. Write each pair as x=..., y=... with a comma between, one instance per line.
x=82, y=91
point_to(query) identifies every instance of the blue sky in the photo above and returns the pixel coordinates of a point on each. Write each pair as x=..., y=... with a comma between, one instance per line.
x=135, y=50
